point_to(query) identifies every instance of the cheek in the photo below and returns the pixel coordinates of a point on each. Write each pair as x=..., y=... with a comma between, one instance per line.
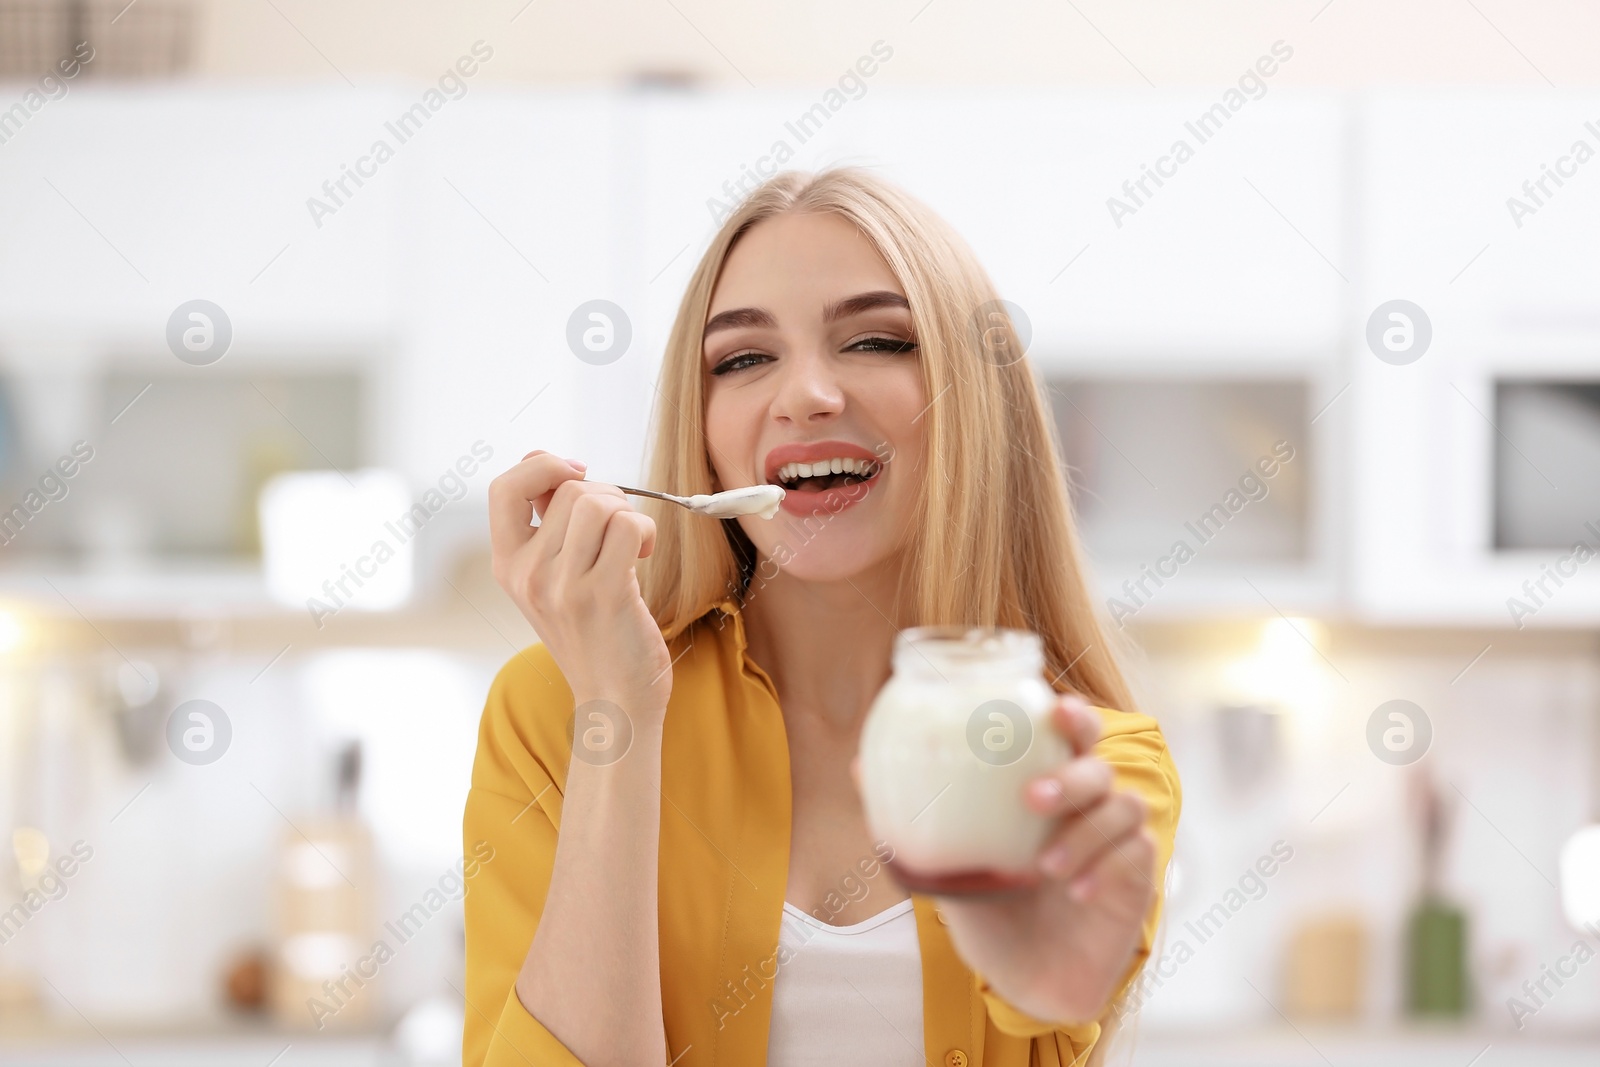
x=902, y=412
x=729, y=431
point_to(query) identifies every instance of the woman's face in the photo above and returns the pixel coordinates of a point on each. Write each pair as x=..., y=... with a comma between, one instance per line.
x=812, y=368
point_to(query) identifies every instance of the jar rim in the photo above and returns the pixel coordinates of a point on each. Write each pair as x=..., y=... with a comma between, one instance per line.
x=971, y=644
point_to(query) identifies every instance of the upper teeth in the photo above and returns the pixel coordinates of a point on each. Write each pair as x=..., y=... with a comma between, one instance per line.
x=790, y=471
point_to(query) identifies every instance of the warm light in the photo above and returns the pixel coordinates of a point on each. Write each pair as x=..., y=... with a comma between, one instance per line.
x=1580, y=877
x=32, y=849
x=1292, y=638
x=12, y=632
x=1286, y=661
x=328, y=543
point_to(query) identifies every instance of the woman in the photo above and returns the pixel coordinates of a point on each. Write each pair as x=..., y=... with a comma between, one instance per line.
x=694, y=882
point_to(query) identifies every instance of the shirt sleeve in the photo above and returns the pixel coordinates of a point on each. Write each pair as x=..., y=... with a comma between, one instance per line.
x=509, y=810
x=1132, y=745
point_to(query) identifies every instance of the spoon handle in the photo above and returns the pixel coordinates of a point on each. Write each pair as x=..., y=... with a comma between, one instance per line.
x=656, y=496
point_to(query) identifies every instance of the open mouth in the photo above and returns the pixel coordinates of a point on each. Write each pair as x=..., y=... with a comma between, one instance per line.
x=826, y=474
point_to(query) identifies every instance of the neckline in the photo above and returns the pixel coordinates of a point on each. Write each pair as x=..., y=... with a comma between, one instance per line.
x=893, y=911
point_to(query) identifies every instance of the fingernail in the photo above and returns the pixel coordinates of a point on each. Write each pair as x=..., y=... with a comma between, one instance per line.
x=1047, y=793
x=1082, y=888
x=1055, y=861
x=578, y=464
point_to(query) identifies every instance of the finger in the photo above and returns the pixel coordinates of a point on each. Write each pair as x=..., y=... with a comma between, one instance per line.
x=647, y=542
x=1132, y=862
x=515, y=494
x=1082, y=838
x=541, y=501
x=586, y=524
x=1077, y=721
x=1074, y=786
x=578, y=463
x=557, y=517
x=626, y=537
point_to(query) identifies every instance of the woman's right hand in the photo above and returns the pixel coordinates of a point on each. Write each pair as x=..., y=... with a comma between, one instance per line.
x=573, y=578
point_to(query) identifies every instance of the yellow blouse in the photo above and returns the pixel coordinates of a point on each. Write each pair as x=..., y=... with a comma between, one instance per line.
x=723, y=866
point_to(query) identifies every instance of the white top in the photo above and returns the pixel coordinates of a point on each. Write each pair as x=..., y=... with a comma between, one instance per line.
x=847, y=994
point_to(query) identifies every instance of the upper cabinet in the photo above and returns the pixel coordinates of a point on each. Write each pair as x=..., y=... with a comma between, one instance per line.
x=1475, y=456
x=1196, y=273
x=1238, y=257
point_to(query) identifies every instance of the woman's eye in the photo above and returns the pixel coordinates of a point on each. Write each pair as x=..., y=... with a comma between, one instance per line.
x=743, y=360
x=885, y=344
x=738, y=361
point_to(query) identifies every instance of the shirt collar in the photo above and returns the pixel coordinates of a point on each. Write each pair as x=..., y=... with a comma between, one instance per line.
x=728, y=606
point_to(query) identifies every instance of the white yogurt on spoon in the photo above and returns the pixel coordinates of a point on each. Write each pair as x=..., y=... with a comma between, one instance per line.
x=760, y=500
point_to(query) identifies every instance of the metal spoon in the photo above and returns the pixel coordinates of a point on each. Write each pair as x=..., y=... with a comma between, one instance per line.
x=760, y=500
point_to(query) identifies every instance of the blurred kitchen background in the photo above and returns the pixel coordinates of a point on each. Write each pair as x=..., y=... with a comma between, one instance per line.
x=284, y=284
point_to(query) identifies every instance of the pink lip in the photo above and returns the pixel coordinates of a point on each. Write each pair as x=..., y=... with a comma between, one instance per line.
x=804, y=502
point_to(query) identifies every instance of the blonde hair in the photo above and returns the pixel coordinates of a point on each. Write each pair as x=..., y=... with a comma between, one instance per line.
x=993, y=540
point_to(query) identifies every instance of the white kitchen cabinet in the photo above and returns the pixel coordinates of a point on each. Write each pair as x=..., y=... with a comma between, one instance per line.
x=448, y=279
x=124, y=203
x=444, y=282
x=1505, y=302
x=1202, y=495
x=1206, y=273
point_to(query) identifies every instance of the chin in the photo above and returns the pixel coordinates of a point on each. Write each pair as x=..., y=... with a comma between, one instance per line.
x=830, y=552
x=822, y=570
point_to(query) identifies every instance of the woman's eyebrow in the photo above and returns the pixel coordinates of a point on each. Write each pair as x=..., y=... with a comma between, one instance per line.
x=855, y=305
x=737, y=318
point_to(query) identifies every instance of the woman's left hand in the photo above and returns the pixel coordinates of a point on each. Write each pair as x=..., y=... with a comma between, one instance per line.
x=1058, y=951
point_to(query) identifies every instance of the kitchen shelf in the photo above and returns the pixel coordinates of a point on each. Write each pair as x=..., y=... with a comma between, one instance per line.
x=161, y=589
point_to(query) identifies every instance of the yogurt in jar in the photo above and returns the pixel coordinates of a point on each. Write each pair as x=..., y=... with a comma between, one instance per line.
x=949, y=744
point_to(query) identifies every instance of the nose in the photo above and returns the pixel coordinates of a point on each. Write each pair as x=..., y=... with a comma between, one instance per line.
x=809, y=389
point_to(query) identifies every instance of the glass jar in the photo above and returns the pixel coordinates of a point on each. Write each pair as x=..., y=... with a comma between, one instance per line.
x=949, y=744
